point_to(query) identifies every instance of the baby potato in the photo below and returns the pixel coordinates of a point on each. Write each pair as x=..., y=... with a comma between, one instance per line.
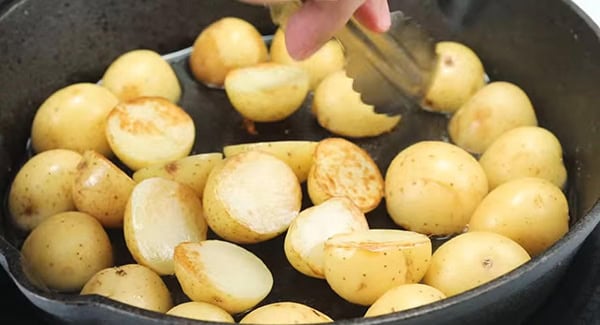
x=66, y=250
x=285, y=313
x=201, y=311
x=341, y=168
x=149, y=131
x=267, y=92
x=491, y=111
x=472, y=259
x=297, y=154
x=225, y=45
x=340, y=110
x=73, y=118
x=131, y=284
x=192, y=171
x=527, y=151
x=433, y=187
x=306, y=236
x=458, y=75
x=142, y=73
x=251, y=197
x=101, y=189
x=223, y=274
x=42, y=187
x=403, y=297
x=159, y=215
x=531, y=211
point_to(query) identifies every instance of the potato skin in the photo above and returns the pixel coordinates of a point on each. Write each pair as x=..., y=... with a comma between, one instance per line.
x=201, y=311
x=285, y=313
x=403, y=297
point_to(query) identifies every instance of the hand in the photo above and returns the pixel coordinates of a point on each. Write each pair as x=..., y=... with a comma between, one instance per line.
x=318, y=20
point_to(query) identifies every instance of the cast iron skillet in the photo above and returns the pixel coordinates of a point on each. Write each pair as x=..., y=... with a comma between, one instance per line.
x=548, y=47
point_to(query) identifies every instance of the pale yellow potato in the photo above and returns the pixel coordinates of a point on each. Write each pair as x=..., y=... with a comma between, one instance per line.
x=297, y=154
x=267, y=92
x=340, y=110
x=131, y=284
x=473, y=259
x=341, y=168
x=149, y=131
x=73, y=118
x=285, y=313
x=223, y=274
x=142, y=73
x=42, y=187
x=192, y=170
x=326, y=60
x=306, y=236
x=227, y=44
x=458, y=75
x=101, y=189
x=526, y=151
x=201, y=311
x=159, y=215
x=66, y=250
x=531, y=211
x=251, y=197
x=433, y=187
x=491, y=111
x=403, y=297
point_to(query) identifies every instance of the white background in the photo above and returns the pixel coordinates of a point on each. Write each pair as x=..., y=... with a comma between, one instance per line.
x=591, y=7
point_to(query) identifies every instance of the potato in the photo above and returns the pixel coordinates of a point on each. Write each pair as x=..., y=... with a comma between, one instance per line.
x=340, y=109
x=149, y=131
x=225, y=45
x=473, y=259
x=101, y=189
x=297, y=154
x=192, y=171
x=131, y=284
x=433, y=187
x=285, y=313
x=457, y=76
x=267, y=92
x=142, y=73
x=201, y=311
x=223, y=274
x=251, y=198
x=306, y=236
x=531, y=211
x=526, y=151
x=66, y=250
x=493, y=110
x=73, y=118
x=159, y=215
x=42, y=187
x=341, y=168
x=328, y=59
x=403, y=297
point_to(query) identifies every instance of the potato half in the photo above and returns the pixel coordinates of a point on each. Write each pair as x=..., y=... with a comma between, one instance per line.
x=285, y=313
x=159, y=215
x=341, y=168
x=149, y=131
x=201, y=311
x=223, y=274
x=252, y=197
x=403, y=297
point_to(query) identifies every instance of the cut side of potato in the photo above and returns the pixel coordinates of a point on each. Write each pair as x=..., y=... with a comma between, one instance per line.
x=403, y=297
x=223, y=274
x=201, y=311
x=285, y=313
x=149, y=131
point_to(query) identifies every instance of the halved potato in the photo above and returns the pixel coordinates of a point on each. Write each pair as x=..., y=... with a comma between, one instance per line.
x=403, y=297
x=159, y=215
x=341, y=168
x=340, y=110
x=149, y=131
x=201, y=311
x=223, y=274
x=251, y=197
x=285, y=313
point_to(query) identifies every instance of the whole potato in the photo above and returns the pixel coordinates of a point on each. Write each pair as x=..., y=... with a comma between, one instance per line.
x=403, y=297
x=43, y=187
x=433, y=187
x=285, y=313
x=74, y=118
x=201, y=311
x=67, y=249
x=531, y=211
